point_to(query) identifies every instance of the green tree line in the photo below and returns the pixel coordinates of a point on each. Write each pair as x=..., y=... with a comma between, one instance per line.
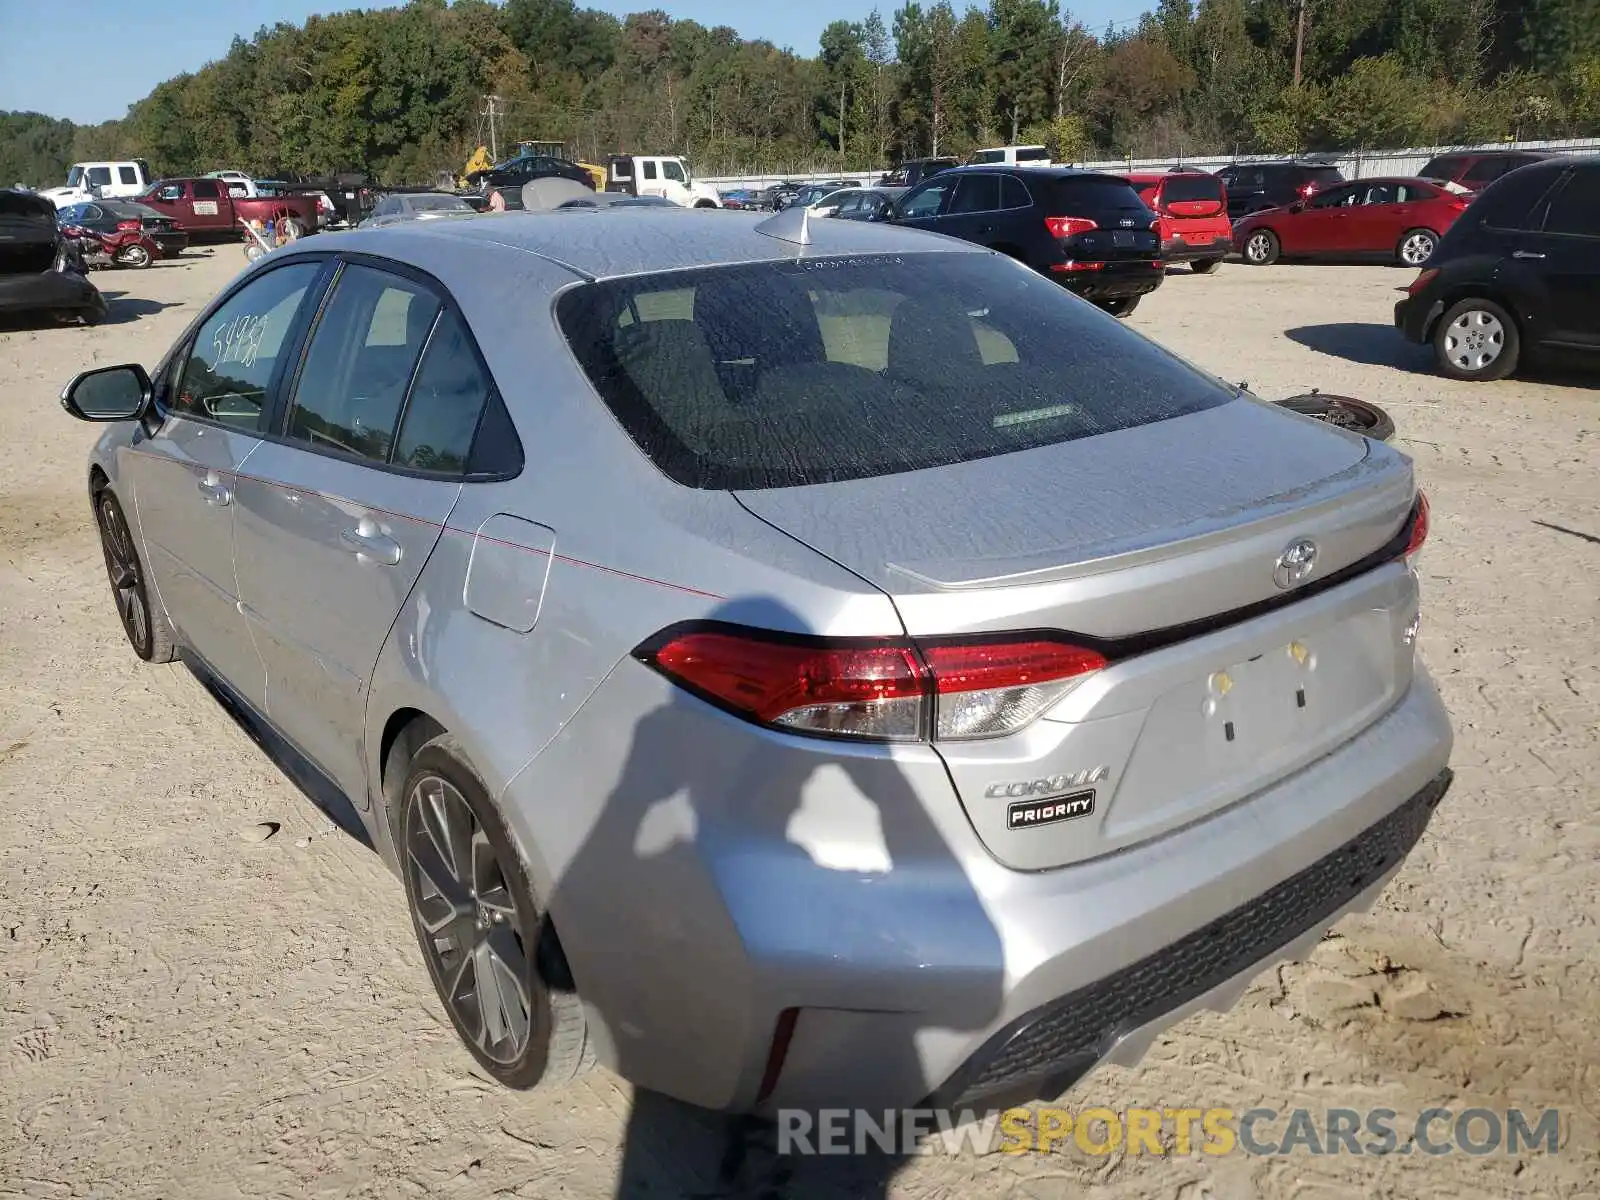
x=400, y=93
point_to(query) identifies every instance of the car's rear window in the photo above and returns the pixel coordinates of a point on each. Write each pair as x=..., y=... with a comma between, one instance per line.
x=790, y=373
x=1088, y=194
x=1181, y=188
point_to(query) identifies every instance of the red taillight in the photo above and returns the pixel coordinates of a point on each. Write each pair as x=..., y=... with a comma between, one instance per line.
x=127, y=226
x=1422, y=281
x=1065, y=227
x=1419, y=528
x=1070, y=268
x=877, y=690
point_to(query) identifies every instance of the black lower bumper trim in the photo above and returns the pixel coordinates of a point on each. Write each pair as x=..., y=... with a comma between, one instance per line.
x=1045, y=1051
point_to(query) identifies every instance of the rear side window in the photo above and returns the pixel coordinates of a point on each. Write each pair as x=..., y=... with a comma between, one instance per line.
x=206, y=189
x=1484, y=170
x=128, y=175
x=976, y=194
x=1324, y=177
x=791, y=373
x=988, y=156
x=1183, y=188
x=446, y=401
x=1575, y=209
x=1037, y=154
x=363, y=351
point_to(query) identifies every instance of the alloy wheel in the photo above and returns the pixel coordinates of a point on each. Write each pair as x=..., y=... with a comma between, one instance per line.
x=471, y=926
x=122, y=567
x=1417, y=249
x=1474, y=340
x=1258, y=247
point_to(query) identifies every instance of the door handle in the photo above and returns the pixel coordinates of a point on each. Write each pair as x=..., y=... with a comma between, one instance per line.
x=1526, y=254
x=367, y=541
x=215, y=492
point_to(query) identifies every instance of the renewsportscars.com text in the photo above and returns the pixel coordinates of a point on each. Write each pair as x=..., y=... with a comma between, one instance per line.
x=1171, y=1131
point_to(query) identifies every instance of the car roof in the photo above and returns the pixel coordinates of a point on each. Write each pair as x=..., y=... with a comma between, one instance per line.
x=1028, y=171
x=601, y=243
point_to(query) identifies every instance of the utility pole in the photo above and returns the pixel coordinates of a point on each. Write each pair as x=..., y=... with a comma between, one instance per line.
x=1299, y=38
x=491, y=103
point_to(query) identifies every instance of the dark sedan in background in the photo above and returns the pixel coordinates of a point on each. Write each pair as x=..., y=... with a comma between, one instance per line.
x=113, y=216
x=40, y=269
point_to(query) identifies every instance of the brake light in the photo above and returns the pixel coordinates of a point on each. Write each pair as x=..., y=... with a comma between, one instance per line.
x=1422, y=281
x=1419, y=528
x=1065, y=227
x=1308, y=189
x=1070, y=267
x=126, y=226
x=873, y=690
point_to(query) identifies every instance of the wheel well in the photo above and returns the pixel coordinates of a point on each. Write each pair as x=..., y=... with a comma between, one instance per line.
x=704, y=204
x=97, y=479
x=1470, y=291
x=403, y=735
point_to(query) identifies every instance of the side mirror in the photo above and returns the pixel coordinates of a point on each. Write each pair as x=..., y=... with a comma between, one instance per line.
x=119, y=393
x=1299, y=206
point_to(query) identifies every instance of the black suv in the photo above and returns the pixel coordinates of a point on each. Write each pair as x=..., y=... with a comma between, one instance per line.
x=1254, y=187
x=1090, y=232
x=1518, y=273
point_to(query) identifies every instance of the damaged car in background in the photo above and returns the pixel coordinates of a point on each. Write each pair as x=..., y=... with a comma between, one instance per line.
x=41, y=270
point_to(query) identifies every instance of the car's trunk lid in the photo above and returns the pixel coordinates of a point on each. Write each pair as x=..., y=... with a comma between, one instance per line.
x=1159, y=545
x=28, y=233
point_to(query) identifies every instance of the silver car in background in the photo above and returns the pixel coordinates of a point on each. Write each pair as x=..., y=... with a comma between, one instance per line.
x=792, y=666
x=399, y=207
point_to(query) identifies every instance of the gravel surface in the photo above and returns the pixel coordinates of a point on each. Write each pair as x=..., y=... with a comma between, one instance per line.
x=192, y=1008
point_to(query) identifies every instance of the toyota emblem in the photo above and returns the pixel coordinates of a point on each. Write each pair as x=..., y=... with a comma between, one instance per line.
x=1295, y=564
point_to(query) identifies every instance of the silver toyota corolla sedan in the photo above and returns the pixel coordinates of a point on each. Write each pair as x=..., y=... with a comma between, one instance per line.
x=792, y=666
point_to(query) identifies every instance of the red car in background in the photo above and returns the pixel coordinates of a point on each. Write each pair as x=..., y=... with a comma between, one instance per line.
x=1399, y=219
x=1192, y=216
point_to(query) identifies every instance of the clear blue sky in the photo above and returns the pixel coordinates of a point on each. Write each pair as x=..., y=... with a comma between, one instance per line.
x=89, y=60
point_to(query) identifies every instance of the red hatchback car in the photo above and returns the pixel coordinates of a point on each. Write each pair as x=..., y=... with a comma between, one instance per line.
x=1400, y=219
x=1192, y=212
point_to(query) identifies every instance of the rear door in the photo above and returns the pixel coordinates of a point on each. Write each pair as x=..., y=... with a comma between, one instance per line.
x=1571, y=266
x=341, y=508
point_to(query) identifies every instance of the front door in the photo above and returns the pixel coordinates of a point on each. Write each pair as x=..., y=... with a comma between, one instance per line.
x=974, y=209
x=1324, y=225
x=675, y=182
x=339, y=514
x=185, y=475
x=1570, y=266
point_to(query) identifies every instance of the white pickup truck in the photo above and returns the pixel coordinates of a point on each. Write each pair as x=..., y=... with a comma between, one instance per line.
x=659, y=175
x=102, y=181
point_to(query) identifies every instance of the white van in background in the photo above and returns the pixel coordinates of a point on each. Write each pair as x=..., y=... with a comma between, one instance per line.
x=102, y=180
x=1011, y=156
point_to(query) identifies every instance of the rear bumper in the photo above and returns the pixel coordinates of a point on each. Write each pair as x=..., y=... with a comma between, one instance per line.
x=49, y=290
x=1111, y=280
x=935, y=971
x=1178, y=250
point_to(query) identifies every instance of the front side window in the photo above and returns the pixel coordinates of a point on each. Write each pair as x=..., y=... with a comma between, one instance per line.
x=791, y=373
x=927, y=200
x=359, y=363
x=170, y=192
x=673, y=170
x=99, y=176
x=1383, y=193
x=1337, y=198
x=235, y=353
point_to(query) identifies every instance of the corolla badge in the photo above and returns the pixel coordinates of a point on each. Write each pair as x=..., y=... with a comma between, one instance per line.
x=1295, y=564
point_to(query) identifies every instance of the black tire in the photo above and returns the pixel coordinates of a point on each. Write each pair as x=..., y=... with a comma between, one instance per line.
x=1471, y=329
x=1204, y=266
x=1121, y=306
x=1415, y=247
x=1345, y=412
x=148, y=630
x=1261, y=248
x=554, y=1048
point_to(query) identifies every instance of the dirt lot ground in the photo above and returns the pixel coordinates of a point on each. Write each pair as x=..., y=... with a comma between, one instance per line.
x=189, y=1011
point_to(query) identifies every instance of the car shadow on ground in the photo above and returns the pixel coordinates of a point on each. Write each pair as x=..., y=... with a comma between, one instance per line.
x=1370, y=345
x=121, y=308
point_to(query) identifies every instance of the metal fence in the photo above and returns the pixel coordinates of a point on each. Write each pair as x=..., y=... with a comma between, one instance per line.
x=1357, y=164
